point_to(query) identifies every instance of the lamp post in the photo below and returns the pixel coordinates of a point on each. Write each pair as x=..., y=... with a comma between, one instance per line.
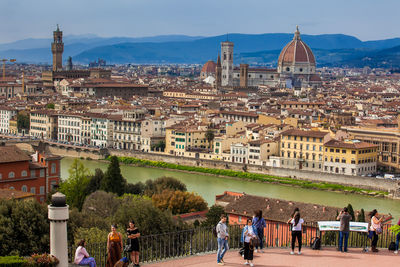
x=58, y=216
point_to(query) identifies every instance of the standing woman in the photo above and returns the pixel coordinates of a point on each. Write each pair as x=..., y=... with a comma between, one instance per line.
x=259, y=223
x=296, y=223
x=249, y=232
x=114, y=246
x=133, y=236
x=376, y=228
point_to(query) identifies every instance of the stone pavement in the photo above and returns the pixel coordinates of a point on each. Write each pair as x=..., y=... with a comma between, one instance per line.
x=277, y=257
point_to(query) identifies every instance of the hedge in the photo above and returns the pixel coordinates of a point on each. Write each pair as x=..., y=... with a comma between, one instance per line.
x=250, y=176
x=11, y=261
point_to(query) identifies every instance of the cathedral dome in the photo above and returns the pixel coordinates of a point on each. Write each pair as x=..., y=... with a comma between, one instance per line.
x=209, y=67
x=296, y=51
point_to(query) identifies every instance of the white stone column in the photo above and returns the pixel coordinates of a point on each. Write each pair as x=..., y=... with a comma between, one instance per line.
x=58, y=216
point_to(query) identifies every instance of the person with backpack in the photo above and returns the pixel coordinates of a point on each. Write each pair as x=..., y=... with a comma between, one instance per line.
x=296, y=223
x=259, y=223
x=222, y=238
x=345, y=219
x=249, y=238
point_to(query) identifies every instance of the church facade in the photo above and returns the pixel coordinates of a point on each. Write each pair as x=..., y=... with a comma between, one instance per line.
x=296, y=69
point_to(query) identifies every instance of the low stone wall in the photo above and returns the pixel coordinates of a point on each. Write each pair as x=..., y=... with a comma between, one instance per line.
x=69, y=152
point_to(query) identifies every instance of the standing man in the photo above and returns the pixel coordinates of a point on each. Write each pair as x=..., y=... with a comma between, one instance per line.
x=345, y=219
x=222, y=237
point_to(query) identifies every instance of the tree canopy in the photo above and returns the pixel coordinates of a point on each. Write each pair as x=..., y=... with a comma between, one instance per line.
x=161, y=184
x=179, y=202
x=24, y=228
x=75, y=186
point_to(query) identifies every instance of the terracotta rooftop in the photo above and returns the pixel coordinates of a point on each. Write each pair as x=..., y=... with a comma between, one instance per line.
x=12, y=154
x=296, y=132
x=6, y=193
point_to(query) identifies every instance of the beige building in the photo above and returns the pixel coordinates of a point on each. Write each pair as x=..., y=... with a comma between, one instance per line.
x=303, y=149
x=70, y=128
x=44, y=124
x=6, y=115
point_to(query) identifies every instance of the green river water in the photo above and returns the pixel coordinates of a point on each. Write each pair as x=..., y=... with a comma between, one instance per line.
x=208, y=186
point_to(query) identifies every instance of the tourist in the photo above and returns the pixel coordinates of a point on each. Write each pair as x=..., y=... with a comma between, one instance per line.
x=249, y=232
x=133, y=242
x=397, y=240
x=259, y=223
x=114, y=246
x=222, y=238
x=345, y=219
x=376, y=228
x=296, y=221
x=82, y=257
x=124, y=262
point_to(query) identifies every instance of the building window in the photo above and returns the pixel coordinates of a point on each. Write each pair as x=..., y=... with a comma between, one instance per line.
x=1, y=176
x=24, y=173
x=33, y=173
x=53, y=168
x=24, y=188
x=33, y=190
x=42, y=190
x=42, y=173
x=11, y=175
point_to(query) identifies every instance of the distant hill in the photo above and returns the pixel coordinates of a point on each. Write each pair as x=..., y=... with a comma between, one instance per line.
x=386, y=58
x=256, y=49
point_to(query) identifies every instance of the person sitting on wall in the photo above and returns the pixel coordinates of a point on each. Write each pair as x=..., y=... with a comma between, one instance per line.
x=82, y=257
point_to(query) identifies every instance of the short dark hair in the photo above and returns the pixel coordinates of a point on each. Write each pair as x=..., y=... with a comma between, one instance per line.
x=345, y=209
x=81, y=243
x=249, y=220
x=223, y=216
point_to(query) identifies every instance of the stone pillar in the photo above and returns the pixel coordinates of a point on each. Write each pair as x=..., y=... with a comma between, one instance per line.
x=244, y=75
x=58, y=216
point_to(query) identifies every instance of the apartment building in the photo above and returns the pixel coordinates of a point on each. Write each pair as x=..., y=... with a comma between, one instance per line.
x=44, y=124
x=350, y=157
x=6, y=115
x=303, y=149
x=101, y=130
x=70, y=128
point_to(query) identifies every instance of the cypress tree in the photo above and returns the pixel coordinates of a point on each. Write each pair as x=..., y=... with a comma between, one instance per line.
x=351, y=212
x=113, y=180
x=361, y=216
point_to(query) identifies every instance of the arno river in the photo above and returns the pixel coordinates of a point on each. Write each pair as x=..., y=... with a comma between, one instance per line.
x=209, y=186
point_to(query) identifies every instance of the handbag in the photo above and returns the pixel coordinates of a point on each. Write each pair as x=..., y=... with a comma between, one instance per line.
x=254, y=241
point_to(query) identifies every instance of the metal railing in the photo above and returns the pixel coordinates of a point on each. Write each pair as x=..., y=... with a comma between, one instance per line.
x=202, y=240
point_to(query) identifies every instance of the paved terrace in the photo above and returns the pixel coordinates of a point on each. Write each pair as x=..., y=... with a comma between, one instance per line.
x=277, y=257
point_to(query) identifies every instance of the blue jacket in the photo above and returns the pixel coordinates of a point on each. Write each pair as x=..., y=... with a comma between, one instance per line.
x=245, y=229
x=259, y=223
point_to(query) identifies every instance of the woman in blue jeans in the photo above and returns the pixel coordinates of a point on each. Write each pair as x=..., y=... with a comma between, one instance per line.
x=259, y=224
x=82, y=257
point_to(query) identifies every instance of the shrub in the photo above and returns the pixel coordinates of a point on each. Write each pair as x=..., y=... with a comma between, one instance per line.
x=12, y=261
x=42, y=260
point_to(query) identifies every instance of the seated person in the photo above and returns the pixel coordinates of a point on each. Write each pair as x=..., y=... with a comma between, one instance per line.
x=82, y=257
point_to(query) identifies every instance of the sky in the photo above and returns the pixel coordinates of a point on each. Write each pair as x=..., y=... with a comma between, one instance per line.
x=364, y=19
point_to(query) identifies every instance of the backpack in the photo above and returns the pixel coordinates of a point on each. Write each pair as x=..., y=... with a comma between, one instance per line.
x=315, y=243
x=392, y=246
x=214, y=231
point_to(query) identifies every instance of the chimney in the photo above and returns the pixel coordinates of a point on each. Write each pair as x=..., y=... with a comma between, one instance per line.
x=290, y=203
x=280, y=210
x=268, y=207
x=277, y=202
x=244, y=212
x=266, y=199
x=315, y=207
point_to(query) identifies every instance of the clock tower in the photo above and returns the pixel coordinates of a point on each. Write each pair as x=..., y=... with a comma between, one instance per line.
x=57, y=48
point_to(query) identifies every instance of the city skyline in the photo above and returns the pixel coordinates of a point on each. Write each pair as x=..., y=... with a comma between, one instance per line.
x=26, y=19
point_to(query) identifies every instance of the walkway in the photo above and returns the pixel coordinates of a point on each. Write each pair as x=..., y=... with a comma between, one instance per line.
x=276, y=257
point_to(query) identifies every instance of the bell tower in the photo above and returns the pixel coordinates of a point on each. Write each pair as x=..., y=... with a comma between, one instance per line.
x=57, y=48
x=227, y=63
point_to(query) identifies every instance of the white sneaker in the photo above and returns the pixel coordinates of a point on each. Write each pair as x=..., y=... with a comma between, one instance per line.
x=251, y=264
x=299, y=252
x=261, y=251
x=291, y=252
x=396, y=252
x=255, y=251
x=246, y=263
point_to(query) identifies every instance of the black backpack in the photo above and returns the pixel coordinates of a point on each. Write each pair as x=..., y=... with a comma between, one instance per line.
x=315, y=243
x=392, y=246
x=214, y=231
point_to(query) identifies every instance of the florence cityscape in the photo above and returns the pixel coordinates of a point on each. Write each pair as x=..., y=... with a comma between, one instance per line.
x=181, y=133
